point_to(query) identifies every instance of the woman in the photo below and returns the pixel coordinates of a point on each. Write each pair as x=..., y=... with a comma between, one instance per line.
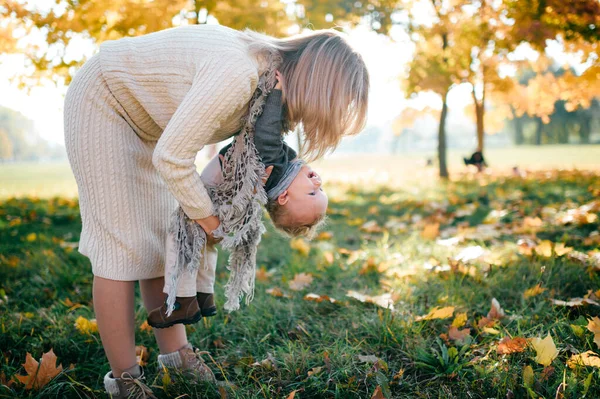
x=136, y=115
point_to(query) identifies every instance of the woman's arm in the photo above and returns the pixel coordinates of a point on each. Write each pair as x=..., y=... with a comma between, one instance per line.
x=221, y=86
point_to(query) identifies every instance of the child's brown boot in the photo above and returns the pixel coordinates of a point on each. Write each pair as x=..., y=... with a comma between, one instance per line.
x=207, y=304
x=186, y=311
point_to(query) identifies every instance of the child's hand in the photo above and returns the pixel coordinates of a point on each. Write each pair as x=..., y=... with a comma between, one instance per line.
x=279, y=78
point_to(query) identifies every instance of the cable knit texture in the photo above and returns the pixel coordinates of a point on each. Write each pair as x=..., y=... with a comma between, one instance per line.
x=136, y=115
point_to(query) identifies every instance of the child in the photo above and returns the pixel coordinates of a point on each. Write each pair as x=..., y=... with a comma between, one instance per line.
x=296, y=203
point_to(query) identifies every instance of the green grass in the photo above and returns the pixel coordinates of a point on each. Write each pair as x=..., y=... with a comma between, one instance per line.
x=56, y=179
x=38, y=275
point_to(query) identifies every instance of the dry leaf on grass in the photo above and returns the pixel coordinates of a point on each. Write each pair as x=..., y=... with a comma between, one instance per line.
x=378, y=394
x=574, y=302
x=594, y=326
x=329, y=258
x=292, y=395
x=385, y=300
x=325, y=235
x=458, y=335
x=511, y=345
x=533, y=291
x=145, y=326
x=318, y=298
x=141, y=355
x=437, y=313
x=39, y=374
x=431, y=231
x=86, y=326
x=263, y=275
x=545, y=349
x=496, y=313
x=276, y=292
x=371, y=227
x=301, y=281
x=588, y=358
x=459, y=320
x=300, y=245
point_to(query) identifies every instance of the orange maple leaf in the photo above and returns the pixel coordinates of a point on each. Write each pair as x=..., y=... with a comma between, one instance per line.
x=39, y=373
x=511, y=345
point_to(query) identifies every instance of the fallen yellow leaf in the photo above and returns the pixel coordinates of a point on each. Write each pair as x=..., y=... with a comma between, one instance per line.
x=594, y=326
x=459, y=320
x=325, y=235
x=545, y=349
x=141, y=355
x=437, y=313
x=86, y=326
x=544, y=248
x=534, y=291
x=145, y=327
x=300, y=245
x=588, y=358
x=431, y=231
x=560, y=249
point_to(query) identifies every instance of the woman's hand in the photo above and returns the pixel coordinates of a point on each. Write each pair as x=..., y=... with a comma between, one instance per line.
x=209, y=225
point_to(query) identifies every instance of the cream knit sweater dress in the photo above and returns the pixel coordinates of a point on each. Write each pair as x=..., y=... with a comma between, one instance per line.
x=136, y=114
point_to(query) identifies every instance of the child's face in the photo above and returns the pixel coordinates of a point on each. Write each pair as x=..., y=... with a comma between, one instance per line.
x=304, y=200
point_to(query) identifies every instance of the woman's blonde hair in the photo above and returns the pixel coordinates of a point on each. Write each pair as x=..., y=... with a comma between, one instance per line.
x=325, y=87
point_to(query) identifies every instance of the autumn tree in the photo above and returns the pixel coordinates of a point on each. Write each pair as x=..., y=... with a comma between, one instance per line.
x=67, y=22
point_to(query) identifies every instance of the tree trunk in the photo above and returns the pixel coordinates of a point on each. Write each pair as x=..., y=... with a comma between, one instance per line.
x=518, y=122
x=538, y=132
x=479, y=115
x=585, y=128
x=442, y=138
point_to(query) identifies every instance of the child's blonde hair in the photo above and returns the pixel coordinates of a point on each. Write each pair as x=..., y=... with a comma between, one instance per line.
x=325, y=87
x=277, y=214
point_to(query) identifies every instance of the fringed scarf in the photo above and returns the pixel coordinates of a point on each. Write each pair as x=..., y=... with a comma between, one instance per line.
x=238, y=203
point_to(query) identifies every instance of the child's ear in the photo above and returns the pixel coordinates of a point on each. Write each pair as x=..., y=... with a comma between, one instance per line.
x=283, y=198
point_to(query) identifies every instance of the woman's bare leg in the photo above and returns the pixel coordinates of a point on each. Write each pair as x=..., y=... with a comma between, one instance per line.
x=169, y=339
x=113, y=305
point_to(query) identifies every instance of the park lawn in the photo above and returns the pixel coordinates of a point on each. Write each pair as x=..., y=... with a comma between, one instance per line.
x=46, y=180
x=523, y=241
